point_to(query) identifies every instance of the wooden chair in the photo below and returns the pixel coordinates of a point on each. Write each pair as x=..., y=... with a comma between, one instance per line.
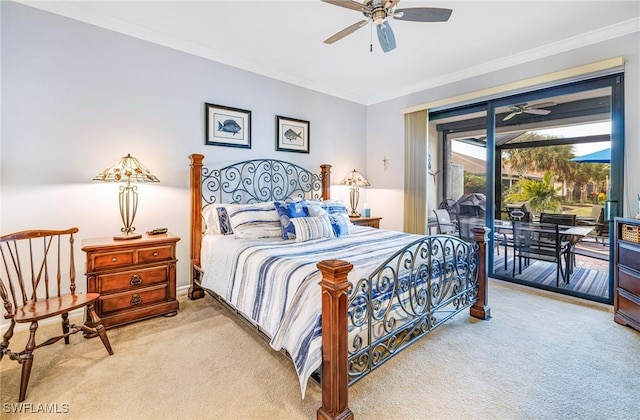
x=34, y=269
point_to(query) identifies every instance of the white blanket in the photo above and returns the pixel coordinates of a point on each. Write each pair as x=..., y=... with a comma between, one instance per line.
x=274, y=283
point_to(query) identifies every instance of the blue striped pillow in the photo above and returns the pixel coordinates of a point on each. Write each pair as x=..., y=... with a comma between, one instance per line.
x=253, y=221
x=313, y=227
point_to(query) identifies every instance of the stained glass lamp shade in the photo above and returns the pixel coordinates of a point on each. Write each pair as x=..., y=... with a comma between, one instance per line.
x=355, y=180
x=127, y=170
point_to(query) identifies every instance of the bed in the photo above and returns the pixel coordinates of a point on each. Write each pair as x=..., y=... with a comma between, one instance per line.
x=338, y=299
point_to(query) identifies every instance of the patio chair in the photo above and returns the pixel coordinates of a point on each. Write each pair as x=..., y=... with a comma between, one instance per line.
x=446, y=226
x=543, y=242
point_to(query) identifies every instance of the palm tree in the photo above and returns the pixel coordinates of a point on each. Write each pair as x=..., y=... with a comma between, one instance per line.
x=541, y=195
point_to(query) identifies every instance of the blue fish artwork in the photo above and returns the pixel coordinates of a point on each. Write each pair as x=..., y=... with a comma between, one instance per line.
x=229, y=126
x=292, y=135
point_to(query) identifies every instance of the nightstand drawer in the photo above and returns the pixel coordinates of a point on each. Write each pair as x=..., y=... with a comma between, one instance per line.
x=132, y=299
x=112, y=259
x=135, y=278
x=156, y=253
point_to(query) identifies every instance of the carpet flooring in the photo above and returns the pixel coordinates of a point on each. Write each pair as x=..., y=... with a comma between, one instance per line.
x=584, y=280
x=540, y=356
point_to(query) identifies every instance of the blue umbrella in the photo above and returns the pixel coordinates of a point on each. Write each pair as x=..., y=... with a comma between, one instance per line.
x=601, y=156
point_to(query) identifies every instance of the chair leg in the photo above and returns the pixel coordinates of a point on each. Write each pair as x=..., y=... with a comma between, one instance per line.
x=65, y=326
x=27, y=361
x=97, y=323
x=5, y=339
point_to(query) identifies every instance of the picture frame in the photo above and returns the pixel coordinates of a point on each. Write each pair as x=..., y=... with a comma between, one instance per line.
x=227, y=126
x=292, y=135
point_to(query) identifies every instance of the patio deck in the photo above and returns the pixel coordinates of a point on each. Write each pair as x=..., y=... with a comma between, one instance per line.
x=590, y=276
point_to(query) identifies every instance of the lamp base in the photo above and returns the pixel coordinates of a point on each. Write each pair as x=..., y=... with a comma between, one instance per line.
x=127, y=236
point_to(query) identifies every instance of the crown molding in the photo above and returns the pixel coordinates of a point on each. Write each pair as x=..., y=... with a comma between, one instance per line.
x=76, y=11
x=588, y=38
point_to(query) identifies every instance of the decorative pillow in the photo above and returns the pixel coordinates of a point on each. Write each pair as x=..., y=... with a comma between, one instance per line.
x=223, y=220
x=340, y=224
x=252, y=221
x=288, y=211
x=211, y=217
x=309, y=228
x=335, y=207
x=315, y=210
x=338, y=215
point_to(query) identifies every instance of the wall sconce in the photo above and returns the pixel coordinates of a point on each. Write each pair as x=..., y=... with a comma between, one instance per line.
x=385, y=162
x=355, y=180
x=128, y=169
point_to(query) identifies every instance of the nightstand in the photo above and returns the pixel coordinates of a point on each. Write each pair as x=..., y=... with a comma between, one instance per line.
x=373, y=222
x=136, y=278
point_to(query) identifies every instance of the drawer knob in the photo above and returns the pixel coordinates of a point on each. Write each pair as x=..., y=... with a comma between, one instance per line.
x=135, y=280
x=155, y=254
x=114, y=259
x=135, y=300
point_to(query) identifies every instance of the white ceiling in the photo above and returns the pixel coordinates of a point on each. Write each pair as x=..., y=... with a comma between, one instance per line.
x=283, y=39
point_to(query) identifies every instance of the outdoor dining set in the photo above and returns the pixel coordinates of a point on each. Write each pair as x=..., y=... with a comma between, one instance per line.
x=552, y=237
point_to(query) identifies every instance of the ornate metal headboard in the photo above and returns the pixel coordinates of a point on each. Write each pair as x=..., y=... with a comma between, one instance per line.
x=260, y=180
x=251, y=181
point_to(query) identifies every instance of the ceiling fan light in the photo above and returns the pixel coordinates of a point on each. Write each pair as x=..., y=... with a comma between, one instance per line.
x=378, y=16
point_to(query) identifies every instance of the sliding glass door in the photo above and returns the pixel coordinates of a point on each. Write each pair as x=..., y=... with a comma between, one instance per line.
x=551, y=155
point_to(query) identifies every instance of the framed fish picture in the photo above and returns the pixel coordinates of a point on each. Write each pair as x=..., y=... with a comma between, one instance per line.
x=226, y=126
x=292, y=135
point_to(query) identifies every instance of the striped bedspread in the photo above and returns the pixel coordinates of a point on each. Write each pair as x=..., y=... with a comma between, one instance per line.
x=274, y=283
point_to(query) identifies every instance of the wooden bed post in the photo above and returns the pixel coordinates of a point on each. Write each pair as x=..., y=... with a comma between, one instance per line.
x=325, y=172
x=335, y=375
x=195, y=291
x=481, y=308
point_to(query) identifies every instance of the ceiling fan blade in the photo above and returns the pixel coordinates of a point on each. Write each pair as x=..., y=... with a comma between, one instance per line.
x=385, y=37
x=508, y=117
x=541, y=105
x=537, y=111
x=423, y=14
x=346, y=31
x=349, y=4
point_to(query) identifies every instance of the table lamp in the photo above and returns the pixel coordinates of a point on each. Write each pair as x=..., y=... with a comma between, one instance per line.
x=128, y=169
x=355, y=180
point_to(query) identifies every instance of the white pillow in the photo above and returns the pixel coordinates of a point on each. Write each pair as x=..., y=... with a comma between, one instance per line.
x=312, y=227
x=253, y=221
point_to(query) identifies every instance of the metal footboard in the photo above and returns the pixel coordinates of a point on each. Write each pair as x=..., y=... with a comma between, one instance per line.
x=418, y=288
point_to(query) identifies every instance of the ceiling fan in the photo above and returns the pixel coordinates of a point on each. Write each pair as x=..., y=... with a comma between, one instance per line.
x=525, y=108
x=377, y=11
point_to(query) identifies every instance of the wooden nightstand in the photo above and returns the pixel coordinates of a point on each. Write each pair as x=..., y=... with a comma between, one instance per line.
x=136, y=278
x=366, y=221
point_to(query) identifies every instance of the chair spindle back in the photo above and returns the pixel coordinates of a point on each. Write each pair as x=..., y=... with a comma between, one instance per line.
x=33, y=266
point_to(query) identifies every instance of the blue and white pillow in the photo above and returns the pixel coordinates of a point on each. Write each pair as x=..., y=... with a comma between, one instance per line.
x=224, y=222
x=340, y=224
x=338, y=215
x=253, y=221
x=287, y=212
x=312, y=227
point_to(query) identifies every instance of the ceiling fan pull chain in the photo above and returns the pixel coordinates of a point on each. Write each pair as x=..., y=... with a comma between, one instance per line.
x=370, y=38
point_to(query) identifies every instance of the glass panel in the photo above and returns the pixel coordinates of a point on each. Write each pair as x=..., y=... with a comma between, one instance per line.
x=554, y=177
x=459, y=169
